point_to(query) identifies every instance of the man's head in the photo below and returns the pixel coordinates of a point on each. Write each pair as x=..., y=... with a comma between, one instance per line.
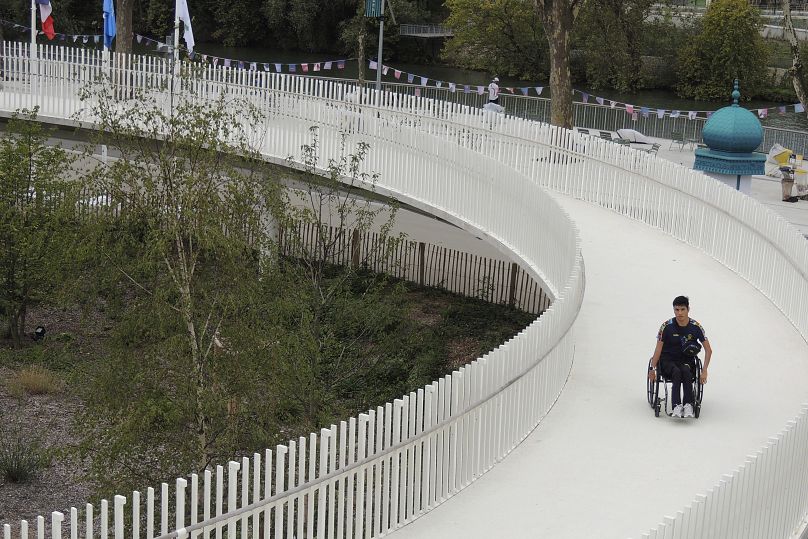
x=681, y=308
x=495, y=79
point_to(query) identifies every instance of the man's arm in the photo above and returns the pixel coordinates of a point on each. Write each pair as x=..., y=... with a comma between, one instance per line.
x=708, y=353
x=655, y=360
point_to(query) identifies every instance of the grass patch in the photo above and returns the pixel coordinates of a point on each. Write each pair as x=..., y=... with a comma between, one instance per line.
x=34, y=380
x=20, y=458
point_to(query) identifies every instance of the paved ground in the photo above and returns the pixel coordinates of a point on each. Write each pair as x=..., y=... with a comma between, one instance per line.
x=600, y=464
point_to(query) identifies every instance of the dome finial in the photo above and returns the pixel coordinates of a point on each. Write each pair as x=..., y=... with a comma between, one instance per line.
x=736, y=94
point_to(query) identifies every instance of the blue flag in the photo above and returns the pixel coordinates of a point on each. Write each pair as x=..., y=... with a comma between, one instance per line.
x=109, y=23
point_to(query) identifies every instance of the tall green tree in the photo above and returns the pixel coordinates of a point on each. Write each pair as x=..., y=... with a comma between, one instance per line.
x=502, y=37
x=610, y=33
x=728, y=46
x=37, y=216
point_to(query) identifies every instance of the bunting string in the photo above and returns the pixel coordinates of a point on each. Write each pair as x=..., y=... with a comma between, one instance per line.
x=75, y=38
x=634, y=110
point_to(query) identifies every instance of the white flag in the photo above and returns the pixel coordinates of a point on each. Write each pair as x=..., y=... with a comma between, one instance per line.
x=185, y=17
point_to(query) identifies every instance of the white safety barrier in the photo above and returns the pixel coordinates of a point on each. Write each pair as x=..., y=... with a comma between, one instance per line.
x=373, y=473
x=452, y=161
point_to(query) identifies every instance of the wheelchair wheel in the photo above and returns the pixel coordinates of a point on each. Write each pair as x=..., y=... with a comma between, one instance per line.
x=650, y=389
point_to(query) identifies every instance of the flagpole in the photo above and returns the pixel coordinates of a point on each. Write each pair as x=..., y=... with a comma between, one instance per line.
x=105, y=61
x=379, y=56
x=32, y=53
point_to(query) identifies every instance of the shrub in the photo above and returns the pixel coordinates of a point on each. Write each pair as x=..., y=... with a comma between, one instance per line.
x=34, y=380
x=20, y=459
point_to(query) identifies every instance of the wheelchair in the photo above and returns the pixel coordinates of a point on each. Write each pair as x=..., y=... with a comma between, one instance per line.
x=657, y=403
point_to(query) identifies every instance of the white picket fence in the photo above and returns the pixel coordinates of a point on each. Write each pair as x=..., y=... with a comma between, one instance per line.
x=485, y=172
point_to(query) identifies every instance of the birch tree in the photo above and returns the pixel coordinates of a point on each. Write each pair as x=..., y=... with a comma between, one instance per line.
x=797, y=70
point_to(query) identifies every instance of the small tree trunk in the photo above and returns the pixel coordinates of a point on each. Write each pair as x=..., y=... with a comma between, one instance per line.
x=797, y=70
x=123, y=26
x=360, y=52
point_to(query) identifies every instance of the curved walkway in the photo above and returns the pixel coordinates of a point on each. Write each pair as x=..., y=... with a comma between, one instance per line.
x=600, y=464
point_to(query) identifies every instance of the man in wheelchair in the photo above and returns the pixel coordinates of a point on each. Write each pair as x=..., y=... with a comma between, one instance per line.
x=677, y=347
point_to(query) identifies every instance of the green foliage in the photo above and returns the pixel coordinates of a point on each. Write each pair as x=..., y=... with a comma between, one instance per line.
x=175, y=271
x=498, y=36
x=37, y=218
x=21, y=455
x=728, y=46
x=610, y=34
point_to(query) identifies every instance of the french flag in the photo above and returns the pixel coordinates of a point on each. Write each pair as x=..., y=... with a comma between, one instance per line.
x=45, y=10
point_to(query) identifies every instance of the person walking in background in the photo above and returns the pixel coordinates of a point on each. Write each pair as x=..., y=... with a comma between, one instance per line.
x=493, y=91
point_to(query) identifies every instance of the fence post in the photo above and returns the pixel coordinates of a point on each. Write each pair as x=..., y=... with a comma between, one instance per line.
x=512, y=285
x=421, y=250
x=355, y=248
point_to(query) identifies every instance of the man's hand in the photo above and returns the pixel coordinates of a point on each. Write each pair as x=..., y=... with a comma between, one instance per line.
x=703, y=376
x=652, y=374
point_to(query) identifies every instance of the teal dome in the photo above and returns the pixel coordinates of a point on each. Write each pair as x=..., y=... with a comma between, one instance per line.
x=733, y=129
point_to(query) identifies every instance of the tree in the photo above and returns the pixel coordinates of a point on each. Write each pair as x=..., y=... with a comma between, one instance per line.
x=729, y=46
x=610, y=33
x=123, y=26
x=180, y=264
x=37, y=209
x=558, y=18
x=503, y=37
x=797, y=71
x=334, y=318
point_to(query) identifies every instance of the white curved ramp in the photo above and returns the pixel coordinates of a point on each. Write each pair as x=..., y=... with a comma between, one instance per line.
x=600, y=464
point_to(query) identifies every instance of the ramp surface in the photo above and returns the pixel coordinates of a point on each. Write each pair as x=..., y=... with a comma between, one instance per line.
x=600, y=464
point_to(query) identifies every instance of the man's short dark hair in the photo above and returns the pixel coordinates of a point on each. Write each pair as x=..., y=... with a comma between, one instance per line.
x=681, y=301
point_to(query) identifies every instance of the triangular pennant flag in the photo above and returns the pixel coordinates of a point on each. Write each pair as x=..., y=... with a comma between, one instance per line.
x=304, y=67
x=215, y=61
x=205, y=58
x=96, y=38
x=227, y=62
x=629, y=108
x=417, y=92
x=585, y=97
x=292, y=68
x=438, y=83
x=410, y=77
x=644, y=111
x=266, y=67
x=599, y=100
x=424, y=81
x=799, y=107
x=709, y=113
x=762, y=113
x=278, y=68
x=612, y=104
x=327, y=66
x=385, y=69
x=480, y=90
x=316, y=67
x=75, y=38
x=372, y=64
x=85, y=39
x=397, y=74
x=539, y=90
x=660, y=113
x=524, y=90
x=691, y=115
x=675, y=114
x=466, y=89
x=341, y=64
x=782, y=110
x=253, y=66
x=509, y=89
x=452, y=87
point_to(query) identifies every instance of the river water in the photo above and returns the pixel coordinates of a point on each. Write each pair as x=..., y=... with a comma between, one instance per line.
x=647, y=98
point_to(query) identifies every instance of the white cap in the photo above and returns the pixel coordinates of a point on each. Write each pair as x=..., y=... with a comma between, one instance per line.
x=496, y=79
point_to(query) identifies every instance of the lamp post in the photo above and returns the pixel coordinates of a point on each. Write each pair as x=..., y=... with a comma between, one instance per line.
x=381, y=46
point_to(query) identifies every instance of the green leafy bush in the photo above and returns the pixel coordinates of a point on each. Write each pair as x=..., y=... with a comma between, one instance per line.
x=20, y=458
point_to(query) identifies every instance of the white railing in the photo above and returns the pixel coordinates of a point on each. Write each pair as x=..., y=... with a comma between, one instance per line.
x=480, y=171
x=373, y=473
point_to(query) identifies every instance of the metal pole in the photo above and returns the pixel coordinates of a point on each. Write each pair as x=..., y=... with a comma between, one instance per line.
x=105, y=56
x=32, y=52
x=379, y=56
